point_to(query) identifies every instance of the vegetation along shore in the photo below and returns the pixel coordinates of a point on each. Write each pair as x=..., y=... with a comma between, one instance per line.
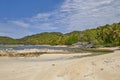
x=107, y=35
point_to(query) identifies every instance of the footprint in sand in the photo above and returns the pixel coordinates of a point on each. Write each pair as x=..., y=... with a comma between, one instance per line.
x=59, y=78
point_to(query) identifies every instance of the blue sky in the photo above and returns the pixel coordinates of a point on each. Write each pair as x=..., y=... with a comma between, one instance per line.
x=26, y=8
x=20, y=18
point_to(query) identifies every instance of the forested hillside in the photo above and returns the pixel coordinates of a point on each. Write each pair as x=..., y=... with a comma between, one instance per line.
x=7, y=40
x=108, y=35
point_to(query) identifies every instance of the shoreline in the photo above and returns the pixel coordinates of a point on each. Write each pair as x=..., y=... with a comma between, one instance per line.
x=37, y=52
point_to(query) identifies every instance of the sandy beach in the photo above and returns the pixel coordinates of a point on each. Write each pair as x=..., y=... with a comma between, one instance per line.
x=61, y=67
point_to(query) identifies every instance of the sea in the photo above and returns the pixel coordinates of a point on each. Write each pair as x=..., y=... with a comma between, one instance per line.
x=23, y=47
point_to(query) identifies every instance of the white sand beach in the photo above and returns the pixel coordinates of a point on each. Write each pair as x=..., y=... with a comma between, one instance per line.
x=61, y=67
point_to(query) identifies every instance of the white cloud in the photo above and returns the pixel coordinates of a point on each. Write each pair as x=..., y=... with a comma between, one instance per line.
x=40, y=17
x=21, y=24
x=80, y=14
x=74, y=15
x=43, y=26
x=90, y=13
x=12, y=30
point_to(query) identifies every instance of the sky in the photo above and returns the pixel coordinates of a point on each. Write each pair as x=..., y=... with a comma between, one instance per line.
x=19, y=18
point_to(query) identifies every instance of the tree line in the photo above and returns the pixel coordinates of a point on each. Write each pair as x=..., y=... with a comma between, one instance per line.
x=107, y=35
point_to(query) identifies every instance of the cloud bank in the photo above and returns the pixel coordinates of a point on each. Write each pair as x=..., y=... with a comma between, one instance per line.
x=71, y=15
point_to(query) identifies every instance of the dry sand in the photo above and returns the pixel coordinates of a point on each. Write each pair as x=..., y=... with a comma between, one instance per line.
x=61, y=67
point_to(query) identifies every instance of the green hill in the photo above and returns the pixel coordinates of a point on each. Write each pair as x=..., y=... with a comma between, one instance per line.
x=42, y=38
x=108, y=35
x=7, y=40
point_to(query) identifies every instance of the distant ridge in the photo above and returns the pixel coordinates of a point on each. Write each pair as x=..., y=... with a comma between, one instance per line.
x=107, y=35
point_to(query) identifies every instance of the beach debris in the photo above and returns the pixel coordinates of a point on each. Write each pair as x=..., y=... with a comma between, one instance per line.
x=83, y=45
